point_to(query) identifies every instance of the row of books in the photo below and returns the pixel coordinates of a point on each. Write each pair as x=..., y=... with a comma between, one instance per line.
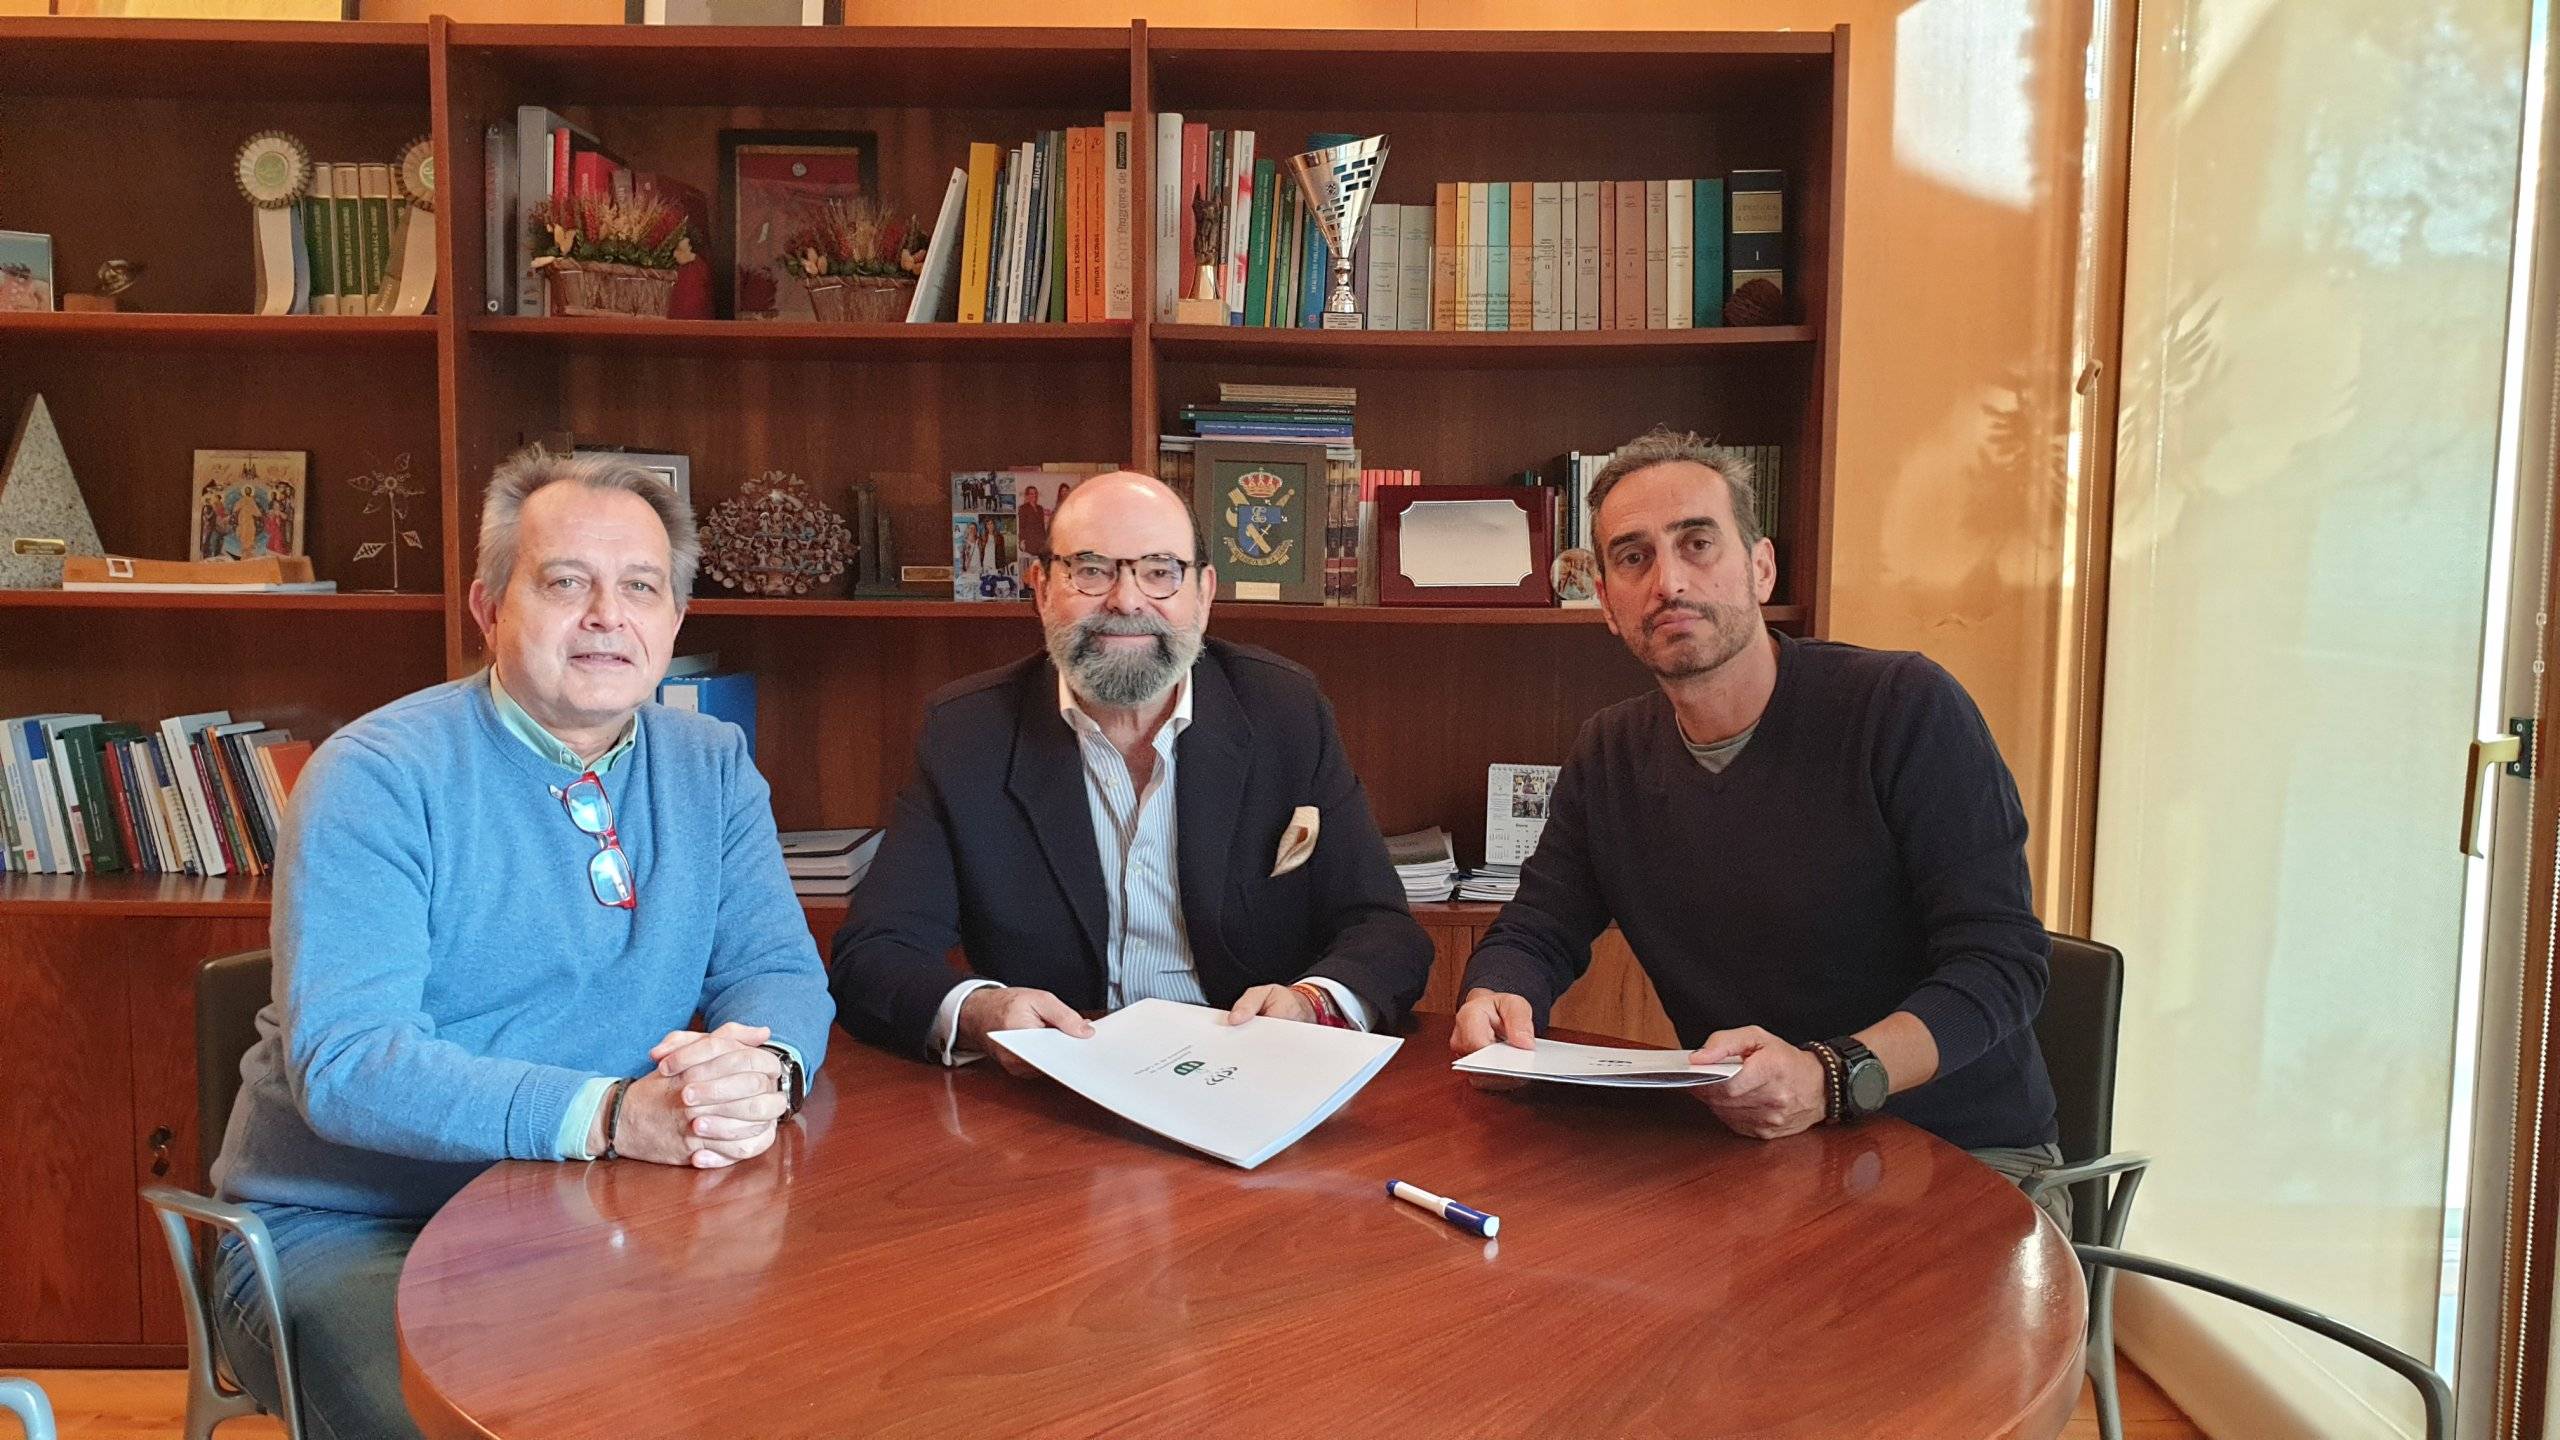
x=1315, y=414
x=1034, y=232
x=349, y=221
x=542, y=158
x=1597, y=254
x=1574, y=471
x=1485, y=255
x=194, y=795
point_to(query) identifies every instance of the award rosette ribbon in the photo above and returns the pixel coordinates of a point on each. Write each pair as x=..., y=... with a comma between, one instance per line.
x=415, y=255
x=1338, y=183
x=274, y=171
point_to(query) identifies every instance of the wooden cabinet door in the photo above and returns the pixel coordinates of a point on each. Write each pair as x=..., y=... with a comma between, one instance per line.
x=163, y=957
x=67, y=1070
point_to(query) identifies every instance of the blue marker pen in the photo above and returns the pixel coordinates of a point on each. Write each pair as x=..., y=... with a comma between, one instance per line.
x=1474, y=1222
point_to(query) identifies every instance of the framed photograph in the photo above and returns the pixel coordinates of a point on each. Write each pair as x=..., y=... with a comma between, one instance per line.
x=730, y=12
x=1466, y=545
x=26, y=270
x=771, y=181
x=249, y=504
x=1261, y=505
x=676, y=470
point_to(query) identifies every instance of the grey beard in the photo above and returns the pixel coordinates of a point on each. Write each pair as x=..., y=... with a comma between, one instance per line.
x=1123, y=679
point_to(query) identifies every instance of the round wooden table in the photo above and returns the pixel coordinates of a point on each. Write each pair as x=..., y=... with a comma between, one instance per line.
x=935, y=1252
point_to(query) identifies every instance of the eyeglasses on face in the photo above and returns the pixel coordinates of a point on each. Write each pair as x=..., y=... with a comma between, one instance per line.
x=1158, y=576
x=609, y=876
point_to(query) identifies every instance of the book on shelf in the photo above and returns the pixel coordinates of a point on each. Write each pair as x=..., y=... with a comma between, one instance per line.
x=829, y=862
x=193, y=795
x=1756, y=238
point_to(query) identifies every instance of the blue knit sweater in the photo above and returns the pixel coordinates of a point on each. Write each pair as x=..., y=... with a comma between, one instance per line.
x=445, y=981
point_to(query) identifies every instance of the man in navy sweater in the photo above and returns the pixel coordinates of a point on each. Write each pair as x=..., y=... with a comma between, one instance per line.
x=1815, y=850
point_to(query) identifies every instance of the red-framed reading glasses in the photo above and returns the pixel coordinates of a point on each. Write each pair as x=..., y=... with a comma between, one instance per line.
x=609, y=876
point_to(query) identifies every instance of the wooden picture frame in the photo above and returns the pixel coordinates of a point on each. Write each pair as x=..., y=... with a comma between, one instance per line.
x=248, y=504
x=767, y=178
x=1493, y=583
x=1261, y=508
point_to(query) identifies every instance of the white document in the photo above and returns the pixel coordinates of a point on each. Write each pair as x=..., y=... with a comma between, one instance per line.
x=1463, y=542
x=1243, y=1093
x=1570, y=1064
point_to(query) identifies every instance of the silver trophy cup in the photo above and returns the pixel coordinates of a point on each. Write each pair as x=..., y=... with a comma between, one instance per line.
x=1338, y=183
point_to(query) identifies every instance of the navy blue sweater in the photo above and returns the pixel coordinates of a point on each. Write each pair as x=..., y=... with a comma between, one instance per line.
x=1865, y=853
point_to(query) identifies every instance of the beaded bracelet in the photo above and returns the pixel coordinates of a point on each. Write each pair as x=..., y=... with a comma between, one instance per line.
x=613, y=1118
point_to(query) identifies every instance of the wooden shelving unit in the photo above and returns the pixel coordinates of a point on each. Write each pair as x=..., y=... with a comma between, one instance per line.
x=131, y=126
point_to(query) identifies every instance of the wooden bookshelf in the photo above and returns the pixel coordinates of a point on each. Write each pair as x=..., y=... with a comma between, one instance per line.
x=124, y=133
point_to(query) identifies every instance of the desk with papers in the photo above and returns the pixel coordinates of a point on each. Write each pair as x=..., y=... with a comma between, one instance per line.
x=933, y=1252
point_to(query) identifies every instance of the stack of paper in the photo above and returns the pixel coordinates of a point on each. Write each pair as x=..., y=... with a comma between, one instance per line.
x=1569, y=1064
x=1243, y=1093
x=829, y=862
x=1497, y=883
x=1425, y=862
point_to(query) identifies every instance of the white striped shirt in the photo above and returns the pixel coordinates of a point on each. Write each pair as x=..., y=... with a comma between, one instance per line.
x=1148, y=953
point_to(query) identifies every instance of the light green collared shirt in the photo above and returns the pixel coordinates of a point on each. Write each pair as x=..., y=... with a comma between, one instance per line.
x=581, y=1114
x=524, y=727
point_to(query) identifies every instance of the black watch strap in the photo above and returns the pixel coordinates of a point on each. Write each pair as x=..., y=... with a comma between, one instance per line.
x=1863, y=1082
x=795, y=1083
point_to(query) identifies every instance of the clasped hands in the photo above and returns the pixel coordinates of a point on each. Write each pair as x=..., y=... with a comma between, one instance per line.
x=1019, y=1007
x=713, y=1100
x=1778, y=1092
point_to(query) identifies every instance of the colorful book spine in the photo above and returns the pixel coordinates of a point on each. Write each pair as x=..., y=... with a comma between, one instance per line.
x=347, y=186
x=1657, y=254
x=320, y=240
x=1379, y=306
x=374, y=190
x=1631, y=241
x=1756, y=239
x=977, y=233
x=1707, y=287
x=1479, y=271
x=1117, y=257
x=1497, y=256
x=1679, y=285
x=1444, y=256
x=1546, y=235
x=1257, y=265
x=1523, y=238
x=1417, y=262
x=1241, y=173
x=1585, y=254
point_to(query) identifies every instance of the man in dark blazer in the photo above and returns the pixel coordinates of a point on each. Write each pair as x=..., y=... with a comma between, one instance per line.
x=1136, y=812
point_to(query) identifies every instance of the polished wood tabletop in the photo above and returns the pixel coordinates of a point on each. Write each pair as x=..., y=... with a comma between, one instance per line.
x=930, y=1252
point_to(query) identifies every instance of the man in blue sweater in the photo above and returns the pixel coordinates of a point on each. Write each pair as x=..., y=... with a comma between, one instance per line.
x=1815, y=850
x=493, y=929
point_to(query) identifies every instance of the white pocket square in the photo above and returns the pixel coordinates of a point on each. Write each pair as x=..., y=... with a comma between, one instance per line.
x=1298, y=841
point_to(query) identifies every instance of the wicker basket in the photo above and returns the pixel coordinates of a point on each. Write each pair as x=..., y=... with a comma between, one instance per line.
x=600, y=287
x=859, y=299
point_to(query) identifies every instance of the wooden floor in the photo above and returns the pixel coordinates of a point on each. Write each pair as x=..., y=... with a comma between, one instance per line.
x=148, y=1405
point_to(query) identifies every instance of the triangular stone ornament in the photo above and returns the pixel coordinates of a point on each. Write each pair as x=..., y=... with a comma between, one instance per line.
x=42, y=517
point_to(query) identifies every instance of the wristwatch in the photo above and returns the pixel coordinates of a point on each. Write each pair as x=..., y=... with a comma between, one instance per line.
x=1863, y=1083
x=795, y=1084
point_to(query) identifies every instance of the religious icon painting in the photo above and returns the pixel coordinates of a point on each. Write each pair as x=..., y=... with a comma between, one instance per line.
x=248, y=504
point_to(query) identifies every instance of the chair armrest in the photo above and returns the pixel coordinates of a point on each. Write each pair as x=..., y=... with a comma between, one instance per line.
x=2132, y=1165
x=2122, y=1162
x=176, y=1208
x=2432, y=1389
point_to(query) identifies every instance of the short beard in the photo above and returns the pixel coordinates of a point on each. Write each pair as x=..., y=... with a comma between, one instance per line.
x=1729, y=636
x=1122, y=678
